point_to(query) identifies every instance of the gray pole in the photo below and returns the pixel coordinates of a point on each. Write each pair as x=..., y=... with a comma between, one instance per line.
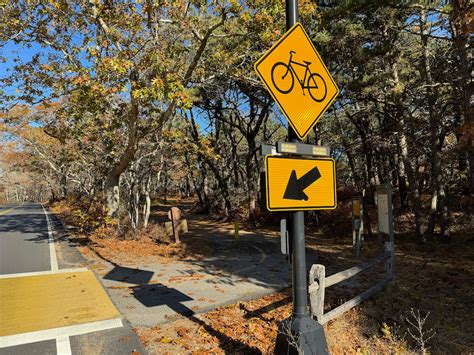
x=300, y=333
x=300, y=303
x=300, y=288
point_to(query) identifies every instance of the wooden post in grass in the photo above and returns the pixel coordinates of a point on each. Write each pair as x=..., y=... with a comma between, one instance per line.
x=317, y=285
x=174, y=214
x=390, y=261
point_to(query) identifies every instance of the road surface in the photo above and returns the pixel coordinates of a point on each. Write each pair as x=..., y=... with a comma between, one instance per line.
x=51, y=307
x=24, y=243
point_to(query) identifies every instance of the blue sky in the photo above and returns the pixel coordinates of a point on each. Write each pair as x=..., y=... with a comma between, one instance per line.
x=12, y=51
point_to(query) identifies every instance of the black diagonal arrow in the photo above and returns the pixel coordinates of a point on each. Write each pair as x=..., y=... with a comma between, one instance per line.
x=295, y=188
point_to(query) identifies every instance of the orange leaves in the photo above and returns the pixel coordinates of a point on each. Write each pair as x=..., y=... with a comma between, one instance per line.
x=47, y=67
x=16, y=115
x=81, y=79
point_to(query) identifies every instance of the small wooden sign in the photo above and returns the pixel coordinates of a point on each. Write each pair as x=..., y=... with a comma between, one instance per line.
x=385, y=210
x=174, y=214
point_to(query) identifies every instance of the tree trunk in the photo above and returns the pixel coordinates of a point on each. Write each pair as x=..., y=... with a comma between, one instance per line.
x=444, y=214
x=112, y=195
x=147, y=205
x=165, y=197
x=403, y=192
x=407, y=162
x=460, y=18
x=63, y=182
x=402, y=182
x=197, y=189
x=251, y=182
x=222, y=181
x=368, y=196
x=434, y=124
x=412, y=182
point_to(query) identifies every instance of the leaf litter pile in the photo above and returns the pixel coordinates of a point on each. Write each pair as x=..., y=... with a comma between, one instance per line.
x=433, y=279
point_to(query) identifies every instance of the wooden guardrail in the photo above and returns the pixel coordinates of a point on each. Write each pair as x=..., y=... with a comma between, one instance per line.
x=319, y=282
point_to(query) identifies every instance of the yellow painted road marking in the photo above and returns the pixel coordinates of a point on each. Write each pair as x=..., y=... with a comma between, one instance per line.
x=41, y=302
x=9, y=210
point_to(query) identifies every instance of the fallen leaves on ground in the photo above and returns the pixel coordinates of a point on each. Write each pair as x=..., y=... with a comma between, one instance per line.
x=435, y=277
x=376, y=326
x=251, y=328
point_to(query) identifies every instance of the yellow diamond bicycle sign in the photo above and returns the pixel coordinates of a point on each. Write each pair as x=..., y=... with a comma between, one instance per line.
x=298, y=80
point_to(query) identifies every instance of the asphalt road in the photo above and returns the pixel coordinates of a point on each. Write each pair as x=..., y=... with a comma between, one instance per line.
x=24, y=243
x=25, y=247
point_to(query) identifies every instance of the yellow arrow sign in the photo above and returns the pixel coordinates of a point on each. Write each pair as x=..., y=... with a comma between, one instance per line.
x=298, y=80
x=300, y=183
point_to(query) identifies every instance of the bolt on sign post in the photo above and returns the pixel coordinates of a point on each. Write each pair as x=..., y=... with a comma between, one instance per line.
x=301, y=85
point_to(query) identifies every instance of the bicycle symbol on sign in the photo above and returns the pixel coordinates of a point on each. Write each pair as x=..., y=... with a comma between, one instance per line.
x=283, y=78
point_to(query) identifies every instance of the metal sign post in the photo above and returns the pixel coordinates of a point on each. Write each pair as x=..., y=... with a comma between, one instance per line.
x=357, y=225
x=300, y=333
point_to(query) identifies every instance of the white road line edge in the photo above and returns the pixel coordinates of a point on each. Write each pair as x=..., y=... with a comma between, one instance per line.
x=49, y=334
x=52, y=250
x=63, y=346
x=39, y=273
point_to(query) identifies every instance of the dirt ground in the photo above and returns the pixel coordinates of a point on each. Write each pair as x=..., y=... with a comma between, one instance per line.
x=432, y=279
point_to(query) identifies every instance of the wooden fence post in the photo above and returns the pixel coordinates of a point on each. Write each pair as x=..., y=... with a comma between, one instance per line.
x=358, y=243
x=354, y=238
x=390, y=261
x=317, y=284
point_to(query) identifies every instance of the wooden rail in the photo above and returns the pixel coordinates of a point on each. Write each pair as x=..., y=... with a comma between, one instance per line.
x=319, y=282
x=347, y=274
